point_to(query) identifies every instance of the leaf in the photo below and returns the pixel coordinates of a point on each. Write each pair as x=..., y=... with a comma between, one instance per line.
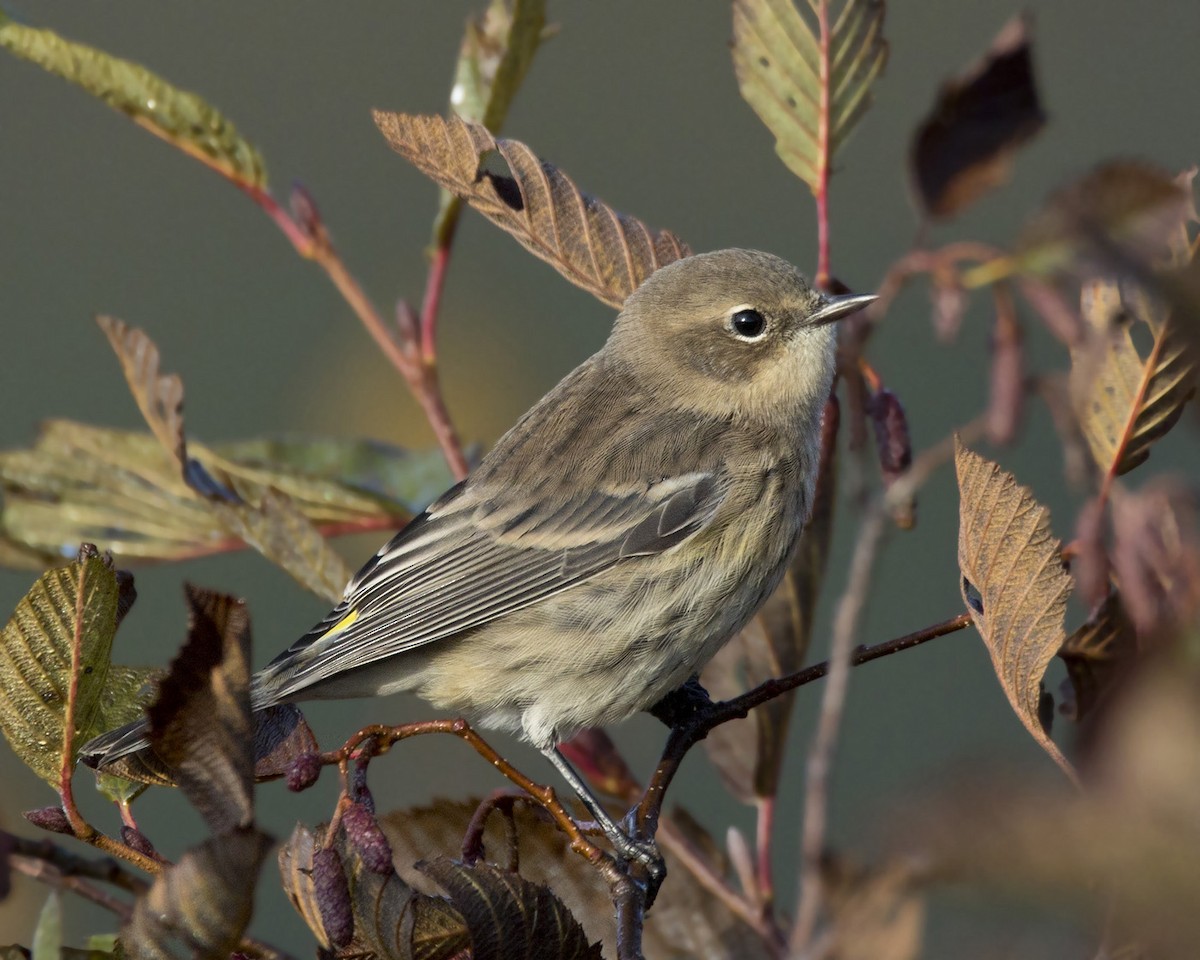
x=35, y=661
x=199, y=907
x=1009, y=558
x=749, y=754
x=1121, y=212
x=47, y=936
x=809, y=85
x=272, y=525
x=687, y=921
x=181, y=118
x=119, y=488
x=965, y=146
x=200, y=723
x=497, y=50
x=281, y=735
x=508, y=917
x=1127, y=401
x=128, y=691
x=1097, y=656
x=607, y=253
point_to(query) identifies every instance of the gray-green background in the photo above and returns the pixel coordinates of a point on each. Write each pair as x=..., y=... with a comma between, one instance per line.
x=637, y=102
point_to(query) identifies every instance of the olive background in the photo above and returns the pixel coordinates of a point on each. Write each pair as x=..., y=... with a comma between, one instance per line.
x=638, y=103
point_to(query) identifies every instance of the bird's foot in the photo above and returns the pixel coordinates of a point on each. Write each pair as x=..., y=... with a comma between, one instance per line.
x=683, y=705
x=635, y=849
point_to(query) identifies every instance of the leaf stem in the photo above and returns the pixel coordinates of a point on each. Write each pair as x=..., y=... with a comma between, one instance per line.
x=823, y=133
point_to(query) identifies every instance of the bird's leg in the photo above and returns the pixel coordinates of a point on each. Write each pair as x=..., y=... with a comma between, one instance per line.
x=644, y=852
x=683, y=704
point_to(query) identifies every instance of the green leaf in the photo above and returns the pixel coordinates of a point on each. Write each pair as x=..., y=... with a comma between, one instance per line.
x=810, y=83
x=127, y=692
x=497, y=50
x=183, y=119
x=47, y=936
x=35, y=661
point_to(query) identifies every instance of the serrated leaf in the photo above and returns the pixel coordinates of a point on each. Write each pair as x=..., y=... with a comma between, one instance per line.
x=497, y=50
x=1120, y=213
x=607, y=253
x=1126, y=401
x=35, y=661
x=1013, y=583
x=508, y=917
x=200, y=906
x=260, y=516
x=965, y=146
x=808, y=78
x=183, y=119
x=119, y=488
x=749, y=753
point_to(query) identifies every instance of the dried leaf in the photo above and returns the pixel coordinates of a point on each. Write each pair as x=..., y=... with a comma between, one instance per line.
x=810, y=84
x=1125, y=401
x=281, y=736
x=35, y=661
x=1097, y=654
x=1120, y=212
x=965, y=146
x=497, y=50
x=876, y=914
x=181, y=118
x=749, y=753
x=200, y=723
x=686, y=920
x=508, y=917
x=607, y=253
x=121, y=489
x=262, y=517
x=1014, y=585
x=1156, y=557
x=200, y=906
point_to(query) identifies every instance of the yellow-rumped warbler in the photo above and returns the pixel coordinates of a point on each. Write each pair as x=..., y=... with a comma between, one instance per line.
x=611, y=541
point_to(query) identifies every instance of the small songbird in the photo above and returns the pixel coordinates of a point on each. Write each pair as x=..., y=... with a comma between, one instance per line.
x=628, y=525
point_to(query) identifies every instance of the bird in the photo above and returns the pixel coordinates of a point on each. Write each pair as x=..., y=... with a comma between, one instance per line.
x=625, y=528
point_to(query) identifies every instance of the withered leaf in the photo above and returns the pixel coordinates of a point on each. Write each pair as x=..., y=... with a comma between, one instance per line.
x=281, y=735
x=810, y=90
x=1125, y=401
x=79, y=600
x=1096, y=655
x=749, y=753
x=965, y=146
x=497, y=50
x=508, y=917
x=1012, y=562
x=200, y=723
x=181, y=118
x=262, y=517
x=119, y=488
x=607, y=253
x=200, y=906
x=686, y=920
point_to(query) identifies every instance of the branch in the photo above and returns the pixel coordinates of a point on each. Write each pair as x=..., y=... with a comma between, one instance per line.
x=824, y=745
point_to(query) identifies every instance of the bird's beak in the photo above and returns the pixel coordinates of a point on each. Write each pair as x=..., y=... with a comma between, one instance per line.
x=838, y=308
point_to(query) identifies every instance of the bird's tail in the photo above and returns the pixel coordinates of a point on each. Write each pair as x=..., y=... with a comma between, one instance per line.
x=126, y=751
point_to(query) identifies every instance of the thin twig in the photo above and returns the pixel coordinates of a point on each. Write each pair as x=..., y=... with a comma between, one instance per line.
x=45, y=872
x=824, y=745
x=823, y=131
x=70, y=864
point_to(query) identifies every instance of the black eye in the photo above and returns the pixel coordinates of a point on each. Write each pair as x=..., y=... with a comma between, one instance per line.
x=748, y=323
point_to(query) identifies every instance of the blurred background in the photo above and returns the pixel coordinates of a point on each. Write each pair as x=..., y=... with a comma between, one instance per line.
x=637, y=102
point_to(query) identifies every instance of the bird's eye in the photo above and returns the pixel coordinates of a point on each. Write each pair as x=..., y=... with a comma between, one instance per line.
x=748, y=323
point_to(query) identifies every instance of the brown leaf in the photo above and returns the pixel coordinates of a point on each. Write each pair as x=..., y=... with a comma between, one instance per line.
x=607, y=253
x=687, y=921
x=508, y=917
x=281, y=735
x=966, y=145
x=749, y=753
x=875, y=914
x=200, y=723
x=1097, y=655
x=199, y=907
x=1156, y=557
x=1125, y=401
x=1013, y=584
x=272, y=525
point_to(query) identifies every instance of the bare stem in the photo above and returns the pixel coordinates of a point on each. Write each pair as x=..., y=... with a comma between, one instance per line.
x=824, y=745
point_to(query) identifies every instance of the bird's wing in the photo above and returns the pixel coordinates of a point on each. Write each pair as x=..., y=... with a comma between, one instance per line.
x=467, y=561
